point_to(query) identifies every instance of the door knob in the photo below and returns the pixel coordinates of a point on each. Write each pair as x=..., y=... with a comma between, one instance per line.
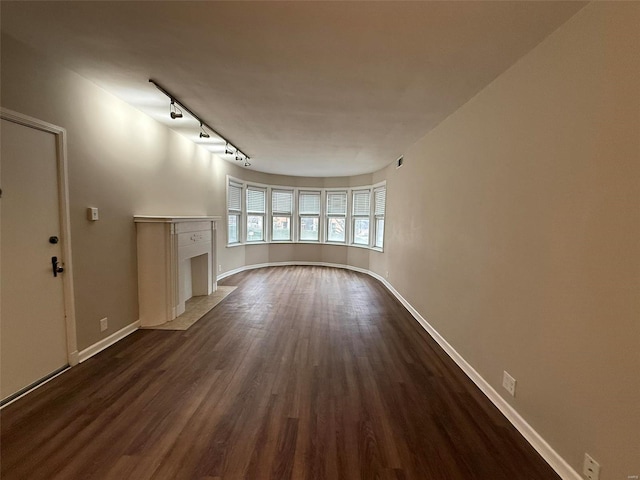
x=56, y=267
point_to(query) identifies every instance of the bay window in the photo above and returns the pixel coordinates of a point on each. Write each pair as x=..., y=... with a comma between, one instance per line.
x=259, y=213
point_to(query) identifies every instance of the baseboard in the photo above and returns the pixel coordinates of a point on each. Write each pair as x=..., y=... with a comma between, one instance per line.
x=301, y=264
x=108, y=341
x=35, y=386
x=561, y=467
x=545, y=450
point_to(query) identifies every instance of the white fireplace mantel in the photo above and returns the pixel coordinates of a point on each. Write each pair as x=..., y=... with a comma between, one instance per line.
x=176, y=260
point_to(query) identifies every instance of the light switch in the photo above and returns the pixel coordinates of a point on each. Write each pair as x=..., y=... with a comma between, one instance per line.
x=92, y=214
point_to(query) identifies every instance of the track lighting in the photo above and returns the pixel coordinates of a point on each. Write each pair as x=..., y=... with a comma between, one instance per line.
x=174, y=111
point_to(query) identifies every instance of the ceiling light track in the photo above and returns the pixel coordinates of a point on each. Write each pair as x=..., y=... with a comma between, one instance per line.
x=175, y=111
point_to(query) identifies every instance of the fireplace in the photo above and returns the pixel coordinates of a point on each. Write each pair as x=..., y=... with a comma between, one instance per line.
x=176, y=261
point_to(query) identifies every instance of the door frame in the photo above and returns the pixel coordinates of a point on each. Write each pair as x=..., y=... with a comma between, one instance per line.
x=65, y=223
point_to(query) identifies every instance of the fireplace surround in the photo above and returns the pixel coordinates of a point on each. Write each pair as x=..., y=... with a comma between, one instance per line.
x=176, y=260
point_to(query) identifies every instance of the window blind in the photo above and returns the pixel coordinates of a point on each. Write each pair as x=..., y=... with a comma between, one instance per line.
x=379, y=198
x=361, y=202
x=256, y=200
x=234, y=199
x=281, y=202
x=336, y=203
x=309, y=203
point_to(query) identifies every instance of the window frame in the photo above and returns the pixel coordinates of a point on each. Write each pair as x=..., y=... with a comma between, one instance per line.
x=328, y=215
x=277, y=213
x=379, y=214
x=360, y=215
x=255, y=213
x=235, y=212
x=304, y=215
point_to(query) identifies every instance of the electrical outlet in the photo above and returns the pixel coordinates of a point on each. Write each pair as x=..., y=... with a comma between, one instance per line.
x=591, y=468
x=509, y=383
x=104, y=324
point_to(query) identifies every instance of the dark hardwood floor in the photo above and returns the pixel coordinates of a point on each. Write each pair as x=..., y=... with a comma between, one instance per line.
x=301, y=373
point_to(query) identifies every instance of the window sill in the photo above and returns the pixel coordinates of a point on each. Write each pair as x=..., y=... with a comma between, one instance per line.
x=306, y=242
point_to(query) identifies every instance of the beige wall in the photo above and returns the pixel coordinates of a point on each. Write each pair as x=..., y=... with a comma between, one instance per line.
x=126, y=164
x=514, y=229
x=120, y=161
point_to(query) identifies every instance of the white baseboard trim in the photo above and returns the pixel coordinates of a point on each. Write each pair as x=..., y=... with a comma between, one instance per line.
x=108, y=341
x=545, y=450
x=35, y=387
x=559, y=464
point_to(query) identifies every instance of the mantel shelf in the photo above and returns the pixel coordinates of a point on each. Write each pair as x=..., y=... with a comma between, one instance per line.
x=174, y=219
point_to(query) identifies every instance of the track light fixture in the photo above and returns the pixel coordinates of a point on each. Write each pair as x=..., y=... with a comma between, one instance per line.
x=175, y=111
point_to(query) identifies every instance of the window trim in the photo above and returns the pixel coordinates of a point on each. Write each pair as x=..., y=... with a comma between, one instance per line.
x=378, y=216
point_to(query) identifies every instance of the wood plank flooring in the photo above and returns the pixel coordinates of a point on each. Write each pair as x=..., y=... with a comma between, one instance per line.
x=301, y=373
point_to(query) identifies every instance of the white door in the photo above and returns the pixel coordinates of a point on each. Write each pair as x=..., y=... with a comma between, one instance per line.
x=32, y=317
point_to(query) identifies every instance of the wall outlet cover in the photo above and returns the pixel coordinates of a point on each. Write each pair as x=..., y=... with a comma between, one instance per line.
x=92, y=214
x=509, y=383
x=591, y=468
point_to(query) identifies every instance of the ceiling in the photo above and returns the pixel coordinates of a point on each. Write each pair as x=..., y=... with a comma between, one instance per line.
x=304, y=88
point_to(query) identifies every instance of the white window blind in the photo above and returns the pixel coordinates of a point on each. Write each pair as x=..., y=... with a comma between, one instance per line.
x=379, y=198
x=309, y=203
x=281, y=202
x=336, y=203
x=234, y=200
x=361, y=202
x=256, y=200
